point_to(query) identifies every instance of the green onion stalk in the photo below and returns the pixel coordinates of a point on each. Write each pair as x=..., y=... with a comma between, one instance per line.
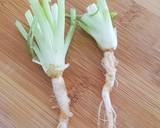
x=97, y=22
x=48, y=47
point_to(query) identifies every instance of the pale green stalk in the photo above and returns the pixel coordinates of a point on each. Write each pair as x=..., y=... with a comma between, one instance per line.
x=46, y=37
x=97, y=22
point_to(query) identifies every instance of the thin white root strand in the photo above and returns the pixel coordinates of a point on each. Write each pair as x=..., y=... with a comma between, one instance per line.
x=105, y=120
x=52, y=96
x=109, y=111
x=116, y=82
x=62, y=100
x=109, y=63
x=63, y=124
x=54, y=107
x=99, y=114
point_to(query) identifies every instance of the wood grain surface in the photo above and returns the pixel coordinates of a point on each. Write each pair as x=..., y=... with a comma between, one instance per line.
x=25, y=90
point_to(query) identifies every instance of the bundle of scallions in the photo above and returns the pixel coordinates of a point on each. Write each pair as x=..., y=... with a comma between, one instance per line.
x=48, y=47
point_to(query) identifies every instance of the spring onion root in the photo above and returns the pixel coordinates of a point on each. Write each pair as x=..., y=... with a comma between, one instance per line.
x=109, y=63
x=63, y=101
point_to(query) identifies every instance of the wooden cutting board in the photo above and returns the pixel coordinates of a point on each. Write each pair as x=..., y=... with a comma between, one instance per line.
x=25, y=89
